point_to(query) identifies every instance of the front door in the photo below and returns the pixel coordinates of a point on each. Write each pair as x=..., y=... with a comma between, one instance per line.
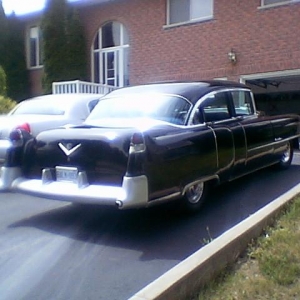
x=114, y=66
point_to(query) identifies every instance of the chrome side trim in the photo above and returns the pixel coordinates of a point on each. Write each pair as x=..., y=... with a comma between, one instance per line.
x=276, y=142
x=165, y=199
x=216, y=144
x=177, y=195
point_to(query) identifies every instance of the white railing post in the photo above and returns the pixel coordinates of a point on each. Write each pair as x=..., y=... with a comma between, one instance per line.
x=77, y=82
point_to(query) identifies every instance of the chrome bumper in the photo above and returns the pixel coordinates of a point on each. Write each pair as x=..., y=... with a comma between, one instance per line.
x=4, y=145
x=132, y=194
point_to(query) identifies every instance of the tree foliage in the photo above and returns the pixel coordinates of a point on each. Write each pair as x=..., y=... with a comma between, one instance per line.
x=15, y=66
x=6, y=104
x=12, y=56
x=76, y=46
x=63, y=44
x=2, y=82
x=3, y=32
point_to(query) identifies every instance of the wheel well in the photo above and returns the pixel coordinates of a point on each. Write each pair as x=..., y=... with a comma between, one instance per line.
x=211, y=182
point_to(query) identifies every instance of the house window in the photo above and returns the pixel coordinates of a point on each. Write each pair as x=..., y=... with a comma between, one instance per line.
x=183, y=11
x=111, y=55
x=35, y=47
x=276, y=2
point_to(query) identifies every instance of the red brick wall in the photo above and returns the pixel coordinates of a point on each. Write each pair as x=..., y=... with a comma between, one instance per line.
x=264, y=39
x=35, y=81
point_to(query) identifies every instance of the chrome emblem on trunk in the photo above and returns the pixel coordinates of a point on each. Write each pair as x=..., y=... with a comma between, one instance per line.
x=68, y=149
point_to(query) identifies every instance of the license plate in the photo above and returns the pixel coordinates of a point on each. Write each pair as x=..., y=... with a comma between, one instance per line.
x=68, y=174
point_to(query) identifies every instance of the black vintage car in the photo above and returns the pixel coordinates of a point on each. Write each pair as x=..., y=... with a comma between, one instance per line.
x=148, y=144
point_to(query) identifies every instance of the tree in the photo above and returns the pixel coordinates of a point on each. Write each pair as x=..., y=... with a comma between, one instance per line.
x=77, y=58
x=54, y=42
x=3, y=33
x=63, y=44
x=15, y=61
x=2, y=82
x=12, y=56
x=6, y=104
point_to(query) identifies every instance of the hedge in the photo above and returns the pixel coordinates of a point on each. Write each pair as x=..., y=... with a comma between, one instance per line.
x=2, y=81
x=6, y=104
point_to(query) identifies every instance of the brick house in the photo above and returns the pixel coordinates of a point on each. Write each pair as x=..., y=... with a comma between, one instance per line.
x=141, y=41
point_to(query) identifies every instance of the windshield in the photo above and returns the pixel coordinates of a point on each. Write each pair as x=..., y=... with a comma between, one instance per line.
x=38, y=107
x=169, y=108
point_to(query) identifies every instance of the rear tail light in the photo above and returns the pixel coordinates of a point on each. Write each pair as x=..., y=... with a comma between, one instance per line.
x=24, y=126
x=137, y=143
x=17, y=138
x=137, y=151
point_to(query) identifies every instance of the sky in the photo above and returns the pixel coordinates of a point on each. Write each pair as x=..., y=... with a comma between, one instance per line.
x=21, y=7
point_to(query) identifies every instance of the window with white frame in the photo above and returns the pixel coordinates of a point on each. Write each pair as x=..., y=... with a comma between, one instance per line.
x=111, y=55
x=276, y=2
x=183, y=11
x=34, y=57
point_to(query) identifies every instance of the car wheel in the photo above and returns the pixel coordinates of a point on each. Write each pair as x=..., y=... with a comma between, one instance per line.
x=194, y=196
x=287, y=157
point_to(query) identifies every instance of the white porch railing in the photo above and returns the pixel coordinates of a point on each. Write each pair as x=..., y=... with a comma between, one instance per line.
x=77, y=86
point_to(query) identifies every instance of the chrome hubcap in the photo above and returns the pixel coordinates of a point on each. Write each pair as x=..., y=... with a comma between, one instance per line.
x=194, y=193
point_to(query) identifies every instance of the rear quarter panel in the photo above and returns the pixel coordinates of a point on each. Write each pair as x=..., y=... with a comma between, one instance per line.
x=177, y=157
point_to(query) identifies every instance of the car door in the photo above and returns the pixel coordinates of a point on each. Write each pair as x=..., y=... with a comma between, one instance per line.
x=258, y=130
x=217, y=112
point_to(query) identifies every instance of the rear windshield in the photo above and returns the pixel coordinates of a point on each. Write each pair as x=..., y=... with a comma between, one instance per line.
x=37, y=107
x=169, y=108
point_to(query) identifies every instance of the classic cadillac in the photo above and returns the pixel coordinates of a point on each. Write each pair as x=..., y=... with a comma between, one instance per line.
x=148, y=144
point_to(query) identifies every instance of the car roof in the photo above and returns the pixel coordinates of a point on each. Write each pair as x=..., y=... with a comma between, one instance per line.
x=189, y=90
x=66, y=97
x=70, y=102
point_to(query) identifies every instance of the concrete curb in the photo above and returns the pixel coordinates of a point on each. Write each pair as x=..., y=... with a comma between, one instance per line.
x=186, y=278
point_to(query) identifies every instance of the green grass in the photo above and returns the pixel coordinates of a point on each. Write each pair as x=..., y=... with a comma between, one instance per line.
x=269, y=269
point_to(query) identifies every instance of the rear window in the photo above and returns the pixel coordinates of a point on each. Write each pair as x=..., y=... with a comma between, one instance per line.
x=36, y=107
x=162, y=107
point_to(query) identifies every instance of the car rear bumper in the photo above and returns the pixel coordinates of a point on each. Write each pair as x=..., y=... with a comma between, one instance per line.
x=4, y=145
x=132, y=194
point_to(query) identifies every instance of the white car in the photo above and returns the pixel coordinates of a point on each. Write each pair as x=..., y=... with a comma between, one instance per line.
x=45, y=112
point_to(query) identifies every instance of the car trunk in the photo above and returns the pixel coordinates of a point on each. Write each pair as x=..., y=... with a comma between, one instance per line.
x=100, y=153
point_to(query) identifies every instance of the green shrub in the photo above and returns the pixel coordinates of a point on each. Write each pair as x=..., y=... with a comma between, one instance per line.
x=6, y=104
x=2, y=82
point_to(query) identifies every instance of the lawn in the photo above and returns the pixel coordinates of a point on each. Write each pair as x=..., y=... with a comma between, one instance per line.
x=269, y=268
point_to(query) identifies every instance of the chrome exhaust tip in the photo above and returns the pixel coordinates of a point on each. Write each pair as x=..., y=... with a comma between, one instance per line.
x=119, y=203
